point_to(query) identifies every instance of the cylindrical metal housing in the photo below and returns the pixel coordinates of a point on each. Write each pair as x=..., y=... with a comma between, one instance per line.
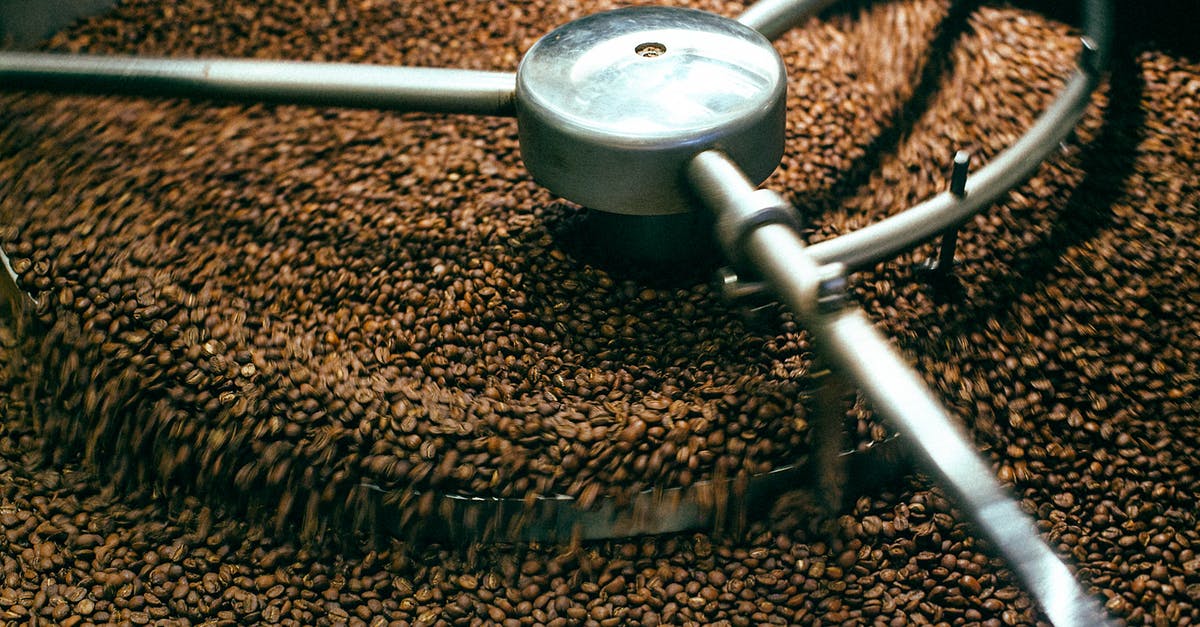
x=613, y=106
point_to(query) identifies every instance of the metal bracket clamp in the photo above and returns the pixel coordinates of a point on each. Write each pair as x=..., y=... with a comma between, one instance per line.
x=832, y=288
x=739, y=208
x=753, y=299
x=756, y=299
x=758, y=208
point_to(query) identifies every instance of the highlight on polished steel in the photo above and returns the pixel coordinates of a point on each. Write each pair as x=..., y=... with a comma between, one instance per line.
x=640, y=112
x=632, y=95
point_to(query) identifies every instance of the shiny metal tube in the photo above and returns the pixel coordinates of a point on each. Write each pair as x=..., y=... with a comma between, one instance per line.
x=849, y=340
x=773, y=18
x=851, y=343
x=333, y=84
x=857, y=348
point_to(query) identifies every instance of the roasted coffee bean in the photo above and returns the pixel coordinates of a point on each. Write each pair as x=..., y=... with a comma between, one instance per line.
x=255, y=309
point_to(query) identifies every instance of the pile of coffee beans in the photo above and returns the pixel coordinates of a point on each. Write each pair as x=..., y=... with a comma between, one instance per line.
x=74, y=551
x=289, y=302
x=257, y=308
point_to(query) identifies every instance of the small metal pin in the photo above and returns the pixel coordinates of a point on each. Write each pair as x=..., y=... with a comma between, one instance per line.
x=958, y=176
x=829, y=434
x=1089, y=55
x=941, y=267
x=958, y=187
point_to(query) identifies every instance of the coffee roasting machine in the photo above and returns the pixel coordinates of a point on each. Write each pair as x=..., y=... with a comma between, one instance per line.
x=657, y=116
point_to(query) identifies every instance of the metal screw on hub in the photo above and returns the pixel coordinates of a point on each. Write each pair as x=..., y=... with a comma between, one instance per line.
x=651, y=49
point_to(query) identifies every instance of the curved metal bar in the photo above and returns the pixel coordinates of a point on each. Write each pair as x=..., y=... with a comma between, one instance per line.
x=717, y=503
x=888, y=237
x=435, y=90
x=773, y=18
x=891, y=236
x=754, y=232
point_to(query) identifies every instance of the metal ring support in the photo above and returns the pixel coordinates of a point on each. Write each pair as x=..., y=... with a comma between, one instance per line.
x=847, y=338
x=706, y=504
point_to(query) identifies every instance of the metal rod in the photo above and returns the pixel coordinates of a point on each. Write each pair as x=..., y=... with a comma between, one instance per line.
x=847, y=339
x=958, y=188
x=946, y=251
x=773, y=18
x=332, y=84
x=897, y=392
x=829, y=432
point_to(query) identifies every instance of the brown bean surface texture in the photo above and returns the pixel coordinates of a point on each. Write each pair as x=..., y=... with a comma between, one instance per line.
x=254, y=309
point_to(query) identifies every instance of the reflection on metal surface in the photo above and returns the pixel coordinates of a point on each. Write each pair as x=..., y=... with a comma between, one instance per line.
x=612, y=106
x=331, y=84
x=846, y=338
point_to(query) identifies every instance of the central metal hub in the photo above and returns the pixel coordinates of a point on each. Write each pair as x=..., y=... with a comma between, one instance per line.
x=611, y=107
